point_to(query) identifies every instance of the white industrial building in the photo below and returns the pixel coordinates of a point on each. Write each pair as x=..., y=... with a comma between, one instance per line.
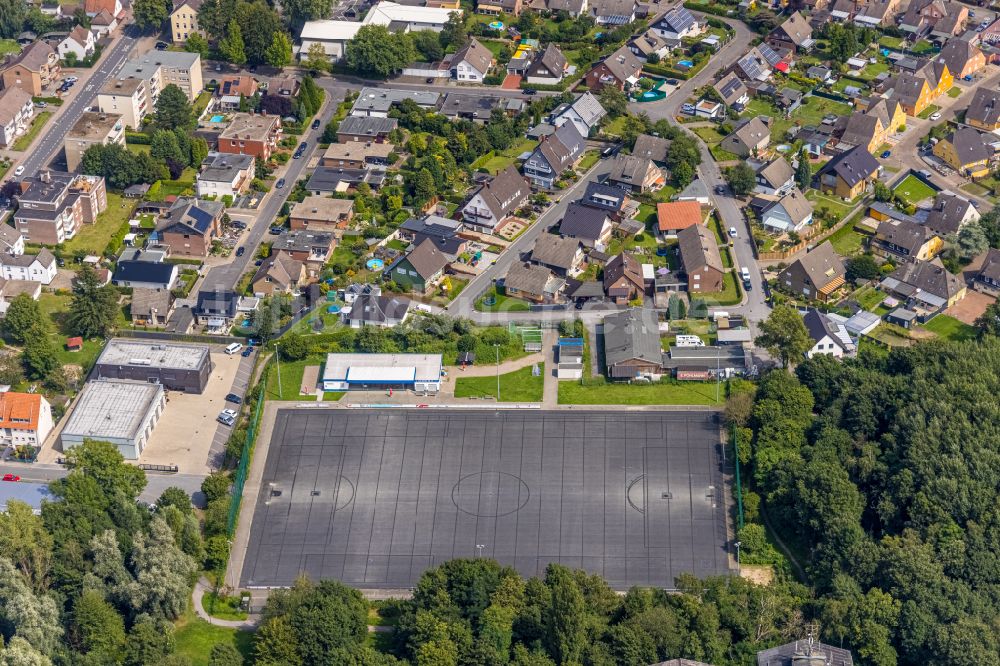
x=123, y=413
x=350, y=372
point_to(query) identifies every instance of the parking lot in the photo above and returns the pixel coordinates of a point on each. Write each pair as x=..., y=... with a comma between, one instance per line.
x=374, y=497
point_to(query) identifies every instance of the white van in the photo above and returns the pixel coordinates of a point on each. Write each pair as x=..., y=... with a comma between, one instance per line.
x=234, y=348
x=689, y=341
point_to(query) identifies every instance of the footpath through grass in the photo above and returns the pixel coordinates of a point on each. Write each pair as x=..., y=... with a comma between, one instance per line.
x=517, y=386
x=662, y=393
x=195, y=639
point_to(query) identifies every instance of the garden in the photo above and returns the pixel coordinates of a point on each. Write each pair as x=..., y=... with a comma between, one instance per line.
x=522, y=385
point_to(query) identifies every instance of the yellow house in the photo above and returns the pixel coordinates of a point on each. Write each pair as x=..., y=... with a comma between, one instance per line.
x=184, y=20
x=967, y=151
x=984, y=110
x=907, y=239
x=916, y=91
x=849, y=174
x=444, y=4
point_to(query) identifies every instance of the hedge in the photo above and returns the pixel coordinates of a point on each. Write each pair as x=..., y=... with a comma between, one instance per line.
x=138, y=138
x=718, y=10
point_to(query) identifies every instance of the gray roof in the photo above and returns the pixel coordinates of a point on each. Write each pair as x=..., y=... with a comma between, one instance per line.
x=796, y=29
x=8, y=235
x=697, y=189
x=699, y=247
x=651, y=147
x=302, y=240
x=382, y=99
x=903, y=233
x=145, y=301
x=532, y=279
x=678, y=19
x=929, y=276
x=44, y=257
x=730, y=88
x=632, y=334
x=751, y=131
x=582, y=221
x=426, y=259
x=861, y=129
x=971, y=145
x=613, y=7
x=551, y=59
x=631, y=169
x=462, y=104
x=777, y=172
x=785, y=655
x=588, y=108
x=852, y=167
x=984, y=107
x=820, y=327
x=222, y=167
x=623, y=64
x=374, y=308
x=602, y=195
x=991, y=266
x=948, y=212
x=505, y=192
x=822, y=265
x=796, y=205
x=367, y=125
x=327, y=179
x=557, y=251
x=623, y=265
x=476, y=55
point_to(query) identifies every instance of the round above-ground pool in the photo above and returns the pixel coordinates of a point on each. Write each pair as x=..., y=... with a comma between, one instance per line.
x=375, y=264
x=496, y=25
x=333, y=309
x=661, y=251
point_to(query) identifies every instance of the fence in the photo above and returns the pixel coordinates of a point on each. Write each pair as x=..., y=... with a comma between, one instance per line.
x=243, y=469
x=178, y=337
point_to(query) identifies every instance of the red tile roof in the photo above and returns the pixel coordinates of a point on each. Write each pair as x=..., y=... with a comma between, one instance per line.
x=677, y=215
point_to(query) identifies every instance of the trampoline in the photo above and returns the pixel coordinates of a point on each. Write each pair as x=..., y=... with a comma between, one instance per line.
x=495, y=25
x=375, y=264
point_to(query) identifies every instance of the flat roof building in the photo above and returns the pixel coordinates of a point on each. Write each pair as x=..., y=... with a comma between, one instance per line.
x=176, y=367
x=31, y=494
x=123, y=413
x=418, y=372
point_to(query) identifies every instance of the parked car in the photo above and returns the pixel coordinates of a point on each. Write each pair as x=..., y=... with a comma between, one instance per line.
x=886, y=154
x=936, y=115
x=71, y=79
x=280, y=184
x=161, y=46
x=720, y=189
x=235, y=399
x=19, y=170
x=41, y=104
x=275, y=231
x=530, y=91
x=315, y=124
x=11, y=477
x=240, y=251
x=246, y=352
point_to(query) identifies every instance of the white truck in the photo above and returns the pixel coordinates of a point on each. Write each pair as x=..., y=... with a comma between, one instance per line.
x=689, y=341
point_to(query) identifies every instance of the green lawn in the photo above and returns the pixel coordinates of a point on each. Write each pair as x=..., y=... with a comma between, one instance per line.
x=616, y=126
x=923, y=47
x=662, y=393
x=929, y=111
x=503, y=303
x=524, y=146
x=517, y=386
x=9, y=47
x=950, y=328
x=201, y=103
x=891, y=42
x=37, y=123
x=223, y=607
x=730, y=294
x=836, y=205
x=720, y=155
x=846, y=241
x=56, y=307
x=590, y=158
x=138, y=148
x=291, y=379
x=954, y=92
x=975, y=189
x=708, y=134
x=914, y=190
x=93, y=238
x=812, y=110
x=493, y=163
x=869, y=298
x=196, y=637
x=759, y=106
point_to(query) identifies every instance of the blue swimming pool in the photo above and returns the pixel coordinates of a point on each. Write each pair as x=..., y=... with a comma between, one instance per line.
x=217, y=118
x=685, y=63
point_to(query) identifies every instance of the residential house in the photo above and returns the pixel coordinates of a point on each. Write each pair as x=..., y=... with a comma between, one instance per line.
x=815, y=276
x=591, y=226
x=938, y=16
x=906, y=240
x=789, y=99
x=151, y=307
x=732, y=91
x=636, y=174
x=878, y=13
x=555, y=155
x=312, y=248
x=677, y=24
x=695, y=191
x=822, y=74
x=988, y=277
x=127, y=98
x=145, y=274
x=469, y=106
x=280, y=273
x=549, y=68
x=184, y=20
x=775, y=177
x=371, y=308
x=321, y=214
x=560, y=254
x=39, y=267
x=792, y=212
x=709, y=109
x=623, y=280
x=574, y=8
x=333, y=35
x=621, y=70
x=378, y=101
x=80, y=42
x=216, y=310
x=330, y=180
x=925, y=286
x=750, y=137
x=162, y=68
x=420, y=270
x=673, y=216
x=608, y=198
x=444, y=232
x=408, y=18
x=365, y=128
x=700, y=259
x=25, y=420
x=950, y=213
x=251, y=134
x=53, y=206
x=190, y=226
x=11, y=241
x=871, y=128
x=632, y=349
x=794, y=35
x=848, y=174
x=752, y=66
x=11, y=289
x=472, y=62
x=357, y=155
x=95, y=7
x=94, y=128
x=649, y=45
x=33, y=70
x=103, y=24
x=586, y=113
x=279, y=98
x=967, y=151
x=225, y=175
x=652, y=148
x=984, y=109
x=495, y=201
x=533, y=282
x=16, y=111
x=829, y=337
x=613, y=12
x=232, y=90
x=962, y=57
x=917, y=90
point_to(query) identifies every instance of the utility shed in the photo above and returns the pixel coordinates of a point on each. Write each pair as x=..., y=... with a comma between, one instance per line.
x=177, y=367
x=418, y=372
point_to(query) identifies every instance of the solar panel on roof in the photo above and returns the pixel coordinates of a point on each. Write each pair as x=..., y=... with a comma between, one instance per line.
x=770, y=55
x=751, y=67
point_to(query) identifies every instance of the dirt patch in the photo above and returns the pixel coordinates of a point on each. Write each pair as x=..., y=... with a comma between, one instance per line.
x=759, y=574
x=310, y=380
x=511, y=228
x=969, y=308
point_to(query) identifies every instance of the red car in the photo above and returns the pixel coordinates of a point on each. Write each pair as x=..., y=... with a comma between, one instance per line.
x=11, y=477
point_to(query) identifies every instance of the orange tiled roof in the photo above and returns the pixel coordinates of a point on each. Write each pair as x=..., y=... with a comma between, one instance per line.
x=677, y=215
x=20, y=410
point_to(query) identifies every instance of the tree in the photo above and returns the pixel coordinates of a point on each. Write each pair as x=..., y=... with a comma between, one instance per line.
x=165, y=147
x=32, y=617
x=293, y=348
x=119, y=166
x=13, y=15
x=803, y=173
x=23, y=319
x=263, y=322
x=988, y=323
x=215, y=486
x=150, y=14
x=316, y=59
x=177, y=497
x=970, y=242
x=614, y=101
x=566, y=616
x=148, y=643
x=454, y=32
x=97, y=627
x=24, y=541
x=299, y=11
x=683, y=174
x=882, y=192
x=423, y=187
x=378, y=52
x=741, y=179
x=784, y=334
x=94, y=307
x=258, y=22
x=196, y=43
x=279, y=53
x=173, y=110
x=231, y=47
x=276, y=644
x=162, y=572
x=223, y=654
x=862, y=267
x=40, y=357
x=428, y=45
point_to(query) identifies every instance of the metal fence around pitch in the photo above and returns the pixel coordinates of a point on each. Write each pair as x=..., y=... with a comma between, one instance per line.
x=243, y=469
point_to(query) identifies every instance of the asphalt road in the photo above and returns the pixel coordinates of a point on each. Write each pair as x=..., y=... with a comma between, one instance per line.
x=43, y=149
x=155, y=483
x=226, y=277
